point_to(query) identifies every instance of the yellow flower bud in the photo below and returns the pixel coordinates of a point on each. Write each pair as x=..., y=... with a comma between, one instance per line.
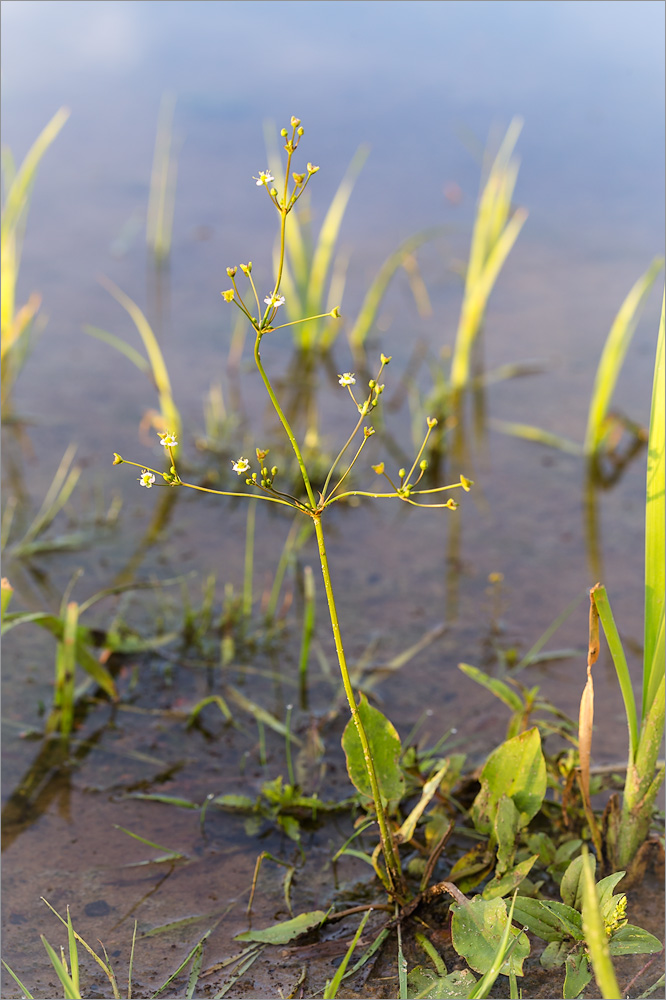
x=117, y=460
x=379, y=469
x=228, y=296
x=231, y=271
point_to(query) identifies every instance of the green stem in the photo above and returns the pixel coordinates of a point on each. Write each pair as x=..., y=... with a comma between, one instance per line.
x=249, y=561
x=390, y=855
x=285, y=423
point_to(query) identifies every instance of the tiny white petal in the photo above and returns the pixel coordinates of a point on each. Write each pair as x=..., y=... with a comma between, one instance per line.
x=146, y=479
x=241, y=466
x=347, y=379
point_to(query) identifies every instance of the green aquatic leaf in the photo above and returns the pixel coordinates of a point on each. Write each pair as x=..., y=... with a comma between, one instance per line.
x=286, y=931
x=516, y=769
x=631, y=940
x=385, y=748
x=426, y=985
x=476, y=932
x=577, y=976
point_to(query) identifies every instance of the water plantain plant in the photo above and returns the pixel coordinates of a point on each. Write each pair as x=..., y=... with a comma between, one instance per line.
x=262, y=313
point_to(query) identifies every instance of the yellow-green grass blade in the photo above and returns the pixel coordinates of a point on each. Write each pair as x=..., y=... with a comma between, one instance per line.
x=655, y=544
x=613, y=354
x=18, y=982
x=328, y=235
x=377, y=290
x=57, y=495
x=14, y=211
x=66, y=669
x=93, y=954
x=530, y=433
x=158, y=366
x=120, y=345
x=333, y=986
x=70, y=991
x=492, y=204
x=602, y=603
x=476, y=299
x=595, y=934
x=161, y=198
x=73, y=954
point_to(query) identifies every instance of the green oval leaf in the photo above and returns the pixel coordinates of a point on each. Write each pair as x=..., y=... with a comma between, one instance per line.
x=287, y=930
x=385, y=748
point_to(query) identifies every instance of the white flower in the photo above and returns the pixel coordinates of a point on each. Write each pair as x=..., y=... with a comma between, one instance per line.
x=169, y=440
x=347, y=379
x=241, y=466
x=265, y=177
x=146, y=479
x=274, y=300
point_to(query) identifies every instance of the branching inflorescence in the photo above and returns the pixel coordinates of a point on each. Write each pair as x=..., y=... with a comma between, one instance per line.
x=262, y=483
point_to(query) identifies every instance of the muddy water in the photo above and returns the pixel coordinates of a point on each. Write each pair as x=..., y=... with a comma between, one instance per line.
x=429, y=75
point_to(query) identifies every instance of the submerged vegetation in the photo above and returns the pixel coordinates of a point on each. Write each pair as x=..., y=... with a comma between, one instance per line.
x=488, y=863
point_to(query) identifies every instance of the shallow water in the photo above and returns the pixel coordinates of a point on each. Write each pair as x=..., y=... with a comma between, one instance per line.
x=415, y=83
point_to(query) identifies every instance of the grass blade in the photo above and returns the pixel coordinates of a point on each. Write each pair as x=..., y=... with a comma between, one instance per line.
x=595, y=935
x=170, y=414
x=120, y=345
x=602, y=603
x=18, y=982
x=655, y=544
x=613, y=354
x=331, y=991
x=377, y=290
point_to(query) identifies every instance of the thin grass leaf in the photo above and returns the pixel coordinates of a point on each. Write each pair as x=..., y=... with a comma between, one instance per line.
x=57, y=495
x=432, y=953
x=193, y=979
x=120, y=345
x=237, y=975
x=530, y=433
x=493, y=236
x=331, y=991
x=595, y=935
x=26, y=993
x=620, y=662
x=65, y=670
x=149, y=843
x=70, y=991
x=170, y=414
x=309, y=607
x=249, y=559
x=185, y=961
x=328, y=234
x=13, y=219
x=212, y=699
x=161, y=201
x=259, y=713
x=73, y=954
x=655, y=542
x=373, y=298
x=532, y=655
x=501, y=690
x=613, y=354
x=108, y=971
x=402, y=967
x=131, y=963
